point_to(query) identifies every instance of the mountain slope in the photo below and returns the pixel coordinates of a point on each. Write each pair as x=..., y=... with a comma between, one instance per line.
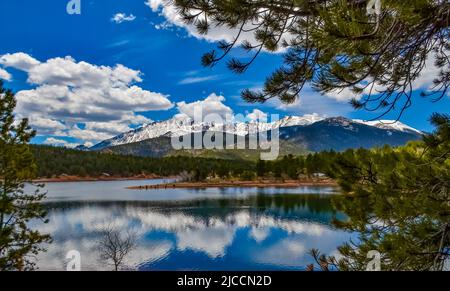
x=177, y=127
x=326, y=134
x=340, y=134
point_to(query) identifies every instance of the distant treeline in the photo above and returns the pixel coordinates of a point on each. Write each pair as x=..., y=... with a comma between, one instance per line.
x=56, y=161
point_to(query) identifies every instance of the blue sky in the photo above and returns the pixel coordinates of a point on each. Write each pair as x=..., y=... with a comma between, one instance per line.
x=166, y=55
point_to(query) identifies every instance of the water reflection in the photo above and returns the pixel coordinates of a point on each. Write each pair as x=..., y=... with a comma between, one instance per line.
x=116, y=191
x=258, y=232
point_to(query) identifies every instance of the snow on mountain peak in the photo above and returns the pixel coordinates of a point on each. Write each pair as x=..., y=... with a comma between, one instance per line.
x=179, y=126
x=299, y=120
x=389, y=124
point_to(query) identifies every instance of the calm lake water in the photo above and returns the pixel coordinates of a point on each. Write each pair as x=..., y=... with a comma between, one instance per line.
x=178, y=229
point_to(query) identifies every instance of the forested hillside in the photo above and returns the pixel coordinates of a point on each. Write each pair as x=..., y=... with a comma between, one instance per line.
x=56, y=161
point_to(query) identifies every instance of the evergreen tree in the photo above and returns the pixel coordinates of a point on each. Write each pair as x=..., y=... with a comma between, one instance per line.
x=333, y=45
x=17, y=241
x=397, y=199
x=261, y=168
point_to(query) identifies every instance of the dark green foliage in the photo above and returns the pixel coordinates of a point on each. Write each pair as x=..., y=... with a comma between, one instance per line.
x=18, y=243
x=399, y=202
x=248, y=175
x=54, y=161
x=333, y=45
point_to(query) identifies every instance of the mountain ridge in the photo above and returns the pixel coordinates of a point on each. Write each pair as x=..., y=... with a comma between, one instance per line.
x=312, y=135
x=177, y=127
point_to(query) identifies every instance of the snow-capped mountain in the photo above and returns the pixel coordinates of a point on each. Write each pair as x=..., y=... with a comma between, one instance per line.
x=181, y=126
x=389, y=124
x=298, y=120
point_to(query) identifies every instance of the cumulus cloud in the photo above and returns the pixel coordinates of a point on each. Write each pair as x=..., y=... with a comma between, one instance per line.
x=87, y=134
x=5, y=75
x=428, y=74
x=52, y=141
x=257, y=115
x=342, y=95
x=46, y=126
x=103, y=99
x=122, y=17
x=211, y=106
x=19, y=61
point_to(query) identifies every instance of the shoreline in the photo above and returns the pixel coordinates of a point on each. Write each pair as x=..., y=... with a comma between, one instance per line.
x=240, y=184
x=68, y=178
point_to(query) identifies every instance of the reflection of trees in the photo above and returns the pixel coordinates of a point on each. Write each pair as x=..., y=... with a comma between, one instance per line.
x=287, y=202
x=399, y=202
x=277, y=203
x=307, y=205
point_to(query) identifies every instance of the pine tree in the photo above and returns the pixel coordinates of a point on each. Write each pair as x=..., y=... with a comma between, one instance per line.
x=17, y=241
x=333, y=45
x=260, y=168
x=397, y=199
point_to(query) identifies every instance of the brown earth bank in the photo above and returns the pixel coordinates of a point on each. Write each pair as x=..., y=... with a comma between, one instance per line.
x=242, y=184
x=72, y=178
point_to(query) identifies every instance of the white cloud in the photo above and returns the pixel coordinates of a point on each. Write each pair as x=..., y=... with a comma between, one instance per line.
x=215, y=33
x=122, y=17
x=5, y=75
x=343, y=95
x=66, y=71
x=19, y=61
x=194, y=80
x=53, y=141
x=154, y=4
x=312, y=102
x=68, y=93
x=428, y=74
x=257, y=115
x=136, y=119
x=88, y=144
x=212, y=105
x=423, y=82
x=45, y=126
x=165, y=25
x=88, y=134
x=113, y=128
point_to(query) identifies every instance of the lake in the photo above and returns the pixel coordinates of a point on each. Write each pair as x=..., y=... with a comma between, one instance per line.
x=191, y=229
